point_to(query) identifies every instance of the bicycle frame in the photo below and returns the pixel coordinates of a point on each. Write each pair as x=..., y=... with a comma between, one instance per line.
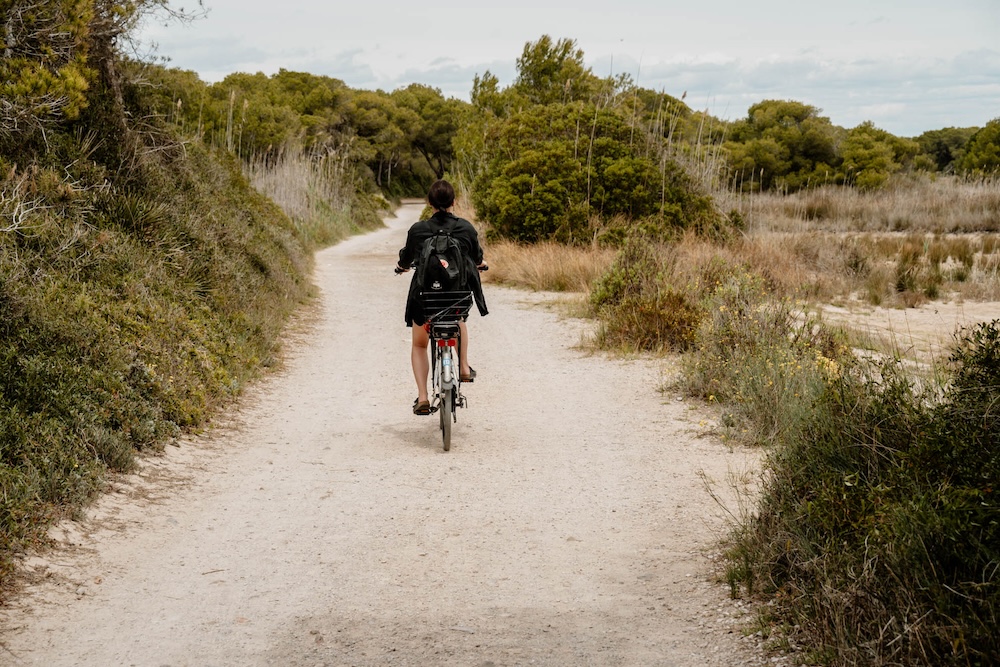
x=443, y=312
x=445, y=341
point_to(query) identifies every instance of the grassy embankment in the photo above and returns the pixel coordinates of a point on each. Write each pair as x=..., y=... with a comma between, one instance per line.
x=873, y=531
x=136, y=302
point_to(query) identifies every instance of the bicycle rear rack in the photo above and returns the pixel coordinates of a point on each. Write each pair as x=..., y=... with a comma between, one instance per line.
x=446, y=307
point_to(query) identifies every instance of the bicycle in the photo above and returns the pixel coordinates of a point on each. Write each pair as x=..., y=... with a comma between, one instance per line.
x=442, y=312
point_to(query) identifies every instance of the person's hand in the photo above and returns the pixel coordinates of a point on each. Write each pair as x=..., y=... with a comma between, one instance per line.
x=400, y=269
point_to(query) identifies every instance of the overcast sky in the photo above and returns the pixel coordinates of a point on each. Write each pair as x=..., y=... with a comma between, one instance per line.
x=906, y=65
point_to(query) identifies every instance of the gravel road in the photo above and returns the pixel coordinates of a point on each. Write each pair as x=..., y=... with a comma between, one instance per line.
x=321, y=523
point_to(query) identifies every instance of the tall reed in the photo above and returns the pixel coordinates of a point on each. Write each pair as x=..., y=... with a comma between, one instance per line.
x=317, y=191
x=914, y=203
x=547, y=266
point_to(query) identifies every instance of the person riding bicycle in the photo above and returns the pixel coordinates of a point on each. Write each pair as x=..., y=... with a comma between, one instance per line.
x=441, y=198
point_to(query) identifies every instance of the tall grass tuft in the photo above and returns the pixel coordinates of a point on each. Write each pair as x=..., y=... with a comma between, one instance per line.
x=546, y=266
x=639, y=304
x=317, y=192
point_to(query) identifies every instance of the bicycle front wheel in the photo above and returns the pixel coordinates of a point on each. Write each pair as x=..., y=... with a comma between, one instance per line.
x=445, y=411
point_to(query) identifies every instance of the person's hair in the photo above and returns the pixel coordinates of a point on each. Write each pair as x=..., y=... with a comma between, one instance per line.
x=441, y=195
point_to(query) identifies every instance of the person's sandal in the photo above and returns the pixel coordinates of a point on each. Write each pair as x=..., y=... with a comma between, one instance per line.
x=421, y=407
x=471, y=377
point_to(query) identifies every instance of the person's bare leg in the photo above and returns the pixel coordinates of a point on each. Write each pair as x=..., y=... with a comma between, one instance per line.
x=418, y=358
x=463, y=354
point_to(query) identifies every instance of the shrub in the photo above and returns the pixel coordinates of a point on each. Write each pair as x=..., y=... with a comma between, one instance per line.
x=782, y=144
x=561, y=147
x=544, y=179
x=877, y=533
x=638, y=306
x=753, y=355
x=982, y=153
x=656, y=321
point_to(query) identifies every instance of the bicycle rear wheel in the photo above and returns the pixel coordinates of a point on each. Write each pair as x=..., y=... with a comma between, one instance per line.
x=445, y=411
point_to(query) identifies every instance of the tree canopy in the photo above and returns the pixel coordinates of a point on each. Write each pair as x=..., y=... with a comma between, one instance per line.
x=783, y=144
x=43, y=73
x=563, y=154
x=871, y=156
x=61, y=58
x=558, y=144
x=945, y=147
x=982, y=153
x=400, y=140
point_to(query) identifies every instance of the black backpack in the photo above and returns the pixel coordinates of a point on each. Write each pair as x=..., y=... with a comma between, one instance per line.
x=441, y=266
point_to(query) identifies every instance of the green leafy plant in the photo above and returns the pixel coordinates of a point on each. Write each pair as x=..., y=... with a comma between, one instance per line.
x=562, y=155
x=876, y=531
x=638, y=307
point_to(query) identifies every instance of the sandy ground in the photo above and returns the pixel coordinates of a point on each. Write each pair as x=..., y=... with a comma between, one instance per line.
x=925, y=334
x=322, y=524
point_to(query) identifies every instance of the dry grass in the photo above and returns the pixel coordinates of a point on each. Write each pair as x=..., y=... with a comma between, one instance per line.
x=941, y=205
x=919, y=239
x=895, y=248
x=900, y=270
x=546, y=266
x=880, y=269
x=543, y=267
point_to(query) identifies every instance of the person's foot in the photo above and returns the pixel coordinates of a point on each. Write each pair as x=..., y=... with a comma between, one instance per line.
x=468, y=377
x=421, y=407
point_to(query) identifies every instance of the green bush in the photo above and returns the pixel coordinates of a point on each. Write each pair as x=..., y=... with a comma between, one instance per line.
x=782, y=144
x=982, y=153
x=638, y=308
x=872, y=155
x=877, y=533
x=560, y=154
x=945, y=147
x=545, y=180
x=754, y=356
x=662, y=320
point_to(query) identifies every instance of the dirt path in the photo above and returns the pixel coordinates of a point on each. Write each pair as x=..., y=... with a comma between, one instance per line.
x=325, y=526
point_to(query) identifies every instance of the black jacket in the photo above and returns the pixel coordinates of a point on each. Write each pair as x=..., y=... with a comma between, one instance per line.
x=466, y=235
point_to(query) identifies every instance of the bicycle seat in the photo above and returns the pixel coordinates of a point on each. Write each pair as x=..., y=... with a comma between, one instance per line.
x=444, y=330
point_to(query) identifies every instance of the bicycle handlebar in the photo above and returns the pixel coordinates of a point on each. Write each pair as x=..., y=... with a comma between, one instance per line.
x=480, y=268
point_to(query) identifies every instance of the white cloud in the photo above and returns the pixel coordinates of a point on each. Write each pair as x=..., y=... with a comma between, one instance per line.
x=349, y=66
x=919, y=66
x=906, y=96
x=453, y=78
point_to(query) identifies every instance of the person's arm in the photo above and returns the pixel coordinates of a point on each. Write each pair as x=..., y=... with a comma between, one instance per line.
x=408, y=252
x=477, y=250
